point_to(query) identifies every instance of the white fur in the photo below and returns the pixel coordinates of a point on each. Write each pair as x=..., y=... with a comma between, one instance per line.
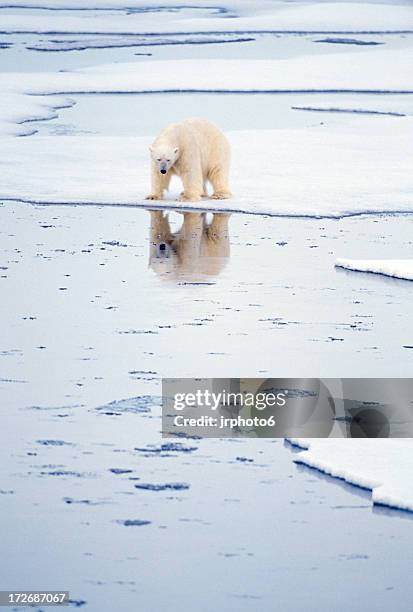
x=196, y=151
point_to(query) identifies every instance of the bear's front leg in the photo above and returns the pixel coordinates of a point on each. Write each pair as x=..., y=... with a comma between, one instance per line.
x=193, y=186
x=159, y=183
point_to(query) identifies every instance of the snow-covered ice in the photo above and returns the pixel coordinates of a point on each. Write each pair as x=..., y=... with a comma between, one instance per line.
x=377, y=70
x=398, y=268
x=384, y=466
x=284, y=172
x=18, y=112
x=247, y=17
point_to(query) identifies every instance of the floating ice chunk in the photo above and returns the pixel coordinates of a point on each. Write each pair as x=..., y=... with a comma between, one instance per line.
x=398, y=268
x=384, y=466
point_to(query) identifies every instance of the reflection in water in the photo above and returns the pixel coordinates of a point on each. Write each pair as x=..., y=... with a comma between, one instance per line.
x=199, y=248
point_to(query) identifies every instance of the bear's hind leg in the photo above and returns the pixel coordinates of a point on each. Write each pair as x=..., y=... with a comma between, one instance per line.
x=219, y=181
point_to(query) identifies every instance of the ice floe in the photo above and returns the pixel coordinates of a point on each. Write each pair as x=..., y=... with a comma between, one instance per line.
x=384, y=466
x=375, y=71
x=328, y=17
x=277, y=172
x=398, y=268
x=18, y=112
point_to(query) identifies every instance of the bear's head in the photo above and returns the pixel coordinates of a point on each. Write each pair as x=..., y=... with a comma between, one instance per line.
x=164, y=156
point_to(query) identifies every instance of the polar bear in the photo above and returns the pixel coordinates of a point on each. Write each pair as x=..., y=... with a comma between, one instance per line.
x=196, y=151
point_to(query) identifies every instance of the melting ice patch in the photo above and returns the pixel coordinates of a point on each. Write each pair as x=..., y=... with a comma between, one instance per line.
x=18, y=112
x=397, y=268
x=384, y=466
x=102, y=42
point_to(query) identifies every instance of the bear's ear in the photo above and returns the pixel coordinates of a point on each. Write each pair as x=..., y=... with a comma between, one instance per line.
x=150, y=149
x=176, y=150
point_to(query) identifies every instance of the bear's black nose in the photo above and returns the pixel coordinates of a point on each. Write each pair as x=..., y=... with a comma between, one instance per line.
x=162, y=246
x=163, y=171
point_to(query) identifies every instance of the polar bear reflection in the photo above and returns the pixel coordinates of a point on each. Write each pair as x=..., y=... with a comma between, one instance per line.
x=199, y=248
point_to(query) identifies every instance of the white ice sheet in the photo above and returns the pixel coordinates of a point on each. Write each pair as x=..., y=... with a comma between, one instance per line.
x=311, y=172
